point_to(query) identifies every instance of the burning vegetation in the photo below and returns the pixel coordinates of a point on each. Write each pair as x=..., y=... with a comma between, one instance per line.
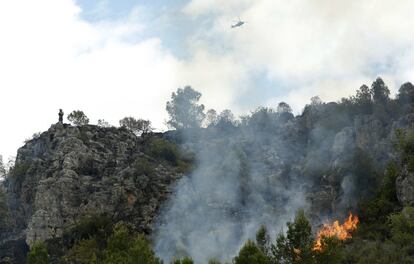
x=342, y=232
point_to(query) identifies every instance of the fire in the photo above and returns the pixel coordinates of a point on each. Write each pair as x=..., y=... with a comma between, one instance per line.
x=342, y=232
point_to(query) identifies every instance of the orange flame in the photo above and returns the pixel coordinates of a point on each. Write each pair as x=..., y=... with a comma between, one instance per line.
x=342, y=232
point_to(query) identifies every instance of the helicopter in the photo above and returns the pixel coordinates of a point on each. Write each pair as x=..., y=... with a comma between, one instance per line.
x=238, y=23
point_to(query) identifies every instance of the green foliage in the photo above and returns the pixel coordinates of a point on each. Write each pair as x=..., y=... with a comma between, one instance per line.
x=78, y=118
x=184, y=110
x=402, y=228
x=94, y=226
x=406, y=93
x=163, y=149
x=184, y=260
x=263, y=239
x=250, y=253
x=6, y=222
x=380, y=92
x=214, y=261
x=136, y=126
x=18, y=172
x=142, y=166
x=38, y=254
x=365, y=175
x=296, y=246
x=405, y=146
x=373, y=212
x=83, y=252
x=121, y=246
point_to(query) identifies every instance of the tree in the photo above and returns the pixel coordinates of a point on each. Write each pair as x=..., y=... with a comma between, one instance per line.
x=364, y=94
x=211, y=118
x=284, y=112
x=38, y=254
x=103, y=123
x=363, y=100
x=136, y=126
x=185, y=260
x=296, y=246
x=283, y=107
x=380, y=91
x=122, y=248
x=250, y=253
x=78, y=118
x=406, y=93
x=316, y=101
x=225, y=120
x=184, y=110
x=2, y=168
x=263, y=239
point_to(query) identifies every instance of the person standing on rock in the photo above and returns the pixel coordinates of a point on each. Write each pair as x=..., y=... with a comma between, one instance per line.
x=60, y=116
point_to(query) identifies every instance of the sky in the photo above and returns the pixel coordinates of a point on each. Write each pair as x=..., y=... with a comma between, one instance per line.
x=113, y=59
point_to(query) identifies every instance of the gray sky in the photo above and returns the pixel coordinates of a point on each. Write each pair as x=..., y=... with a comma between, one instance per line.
x=124, y=58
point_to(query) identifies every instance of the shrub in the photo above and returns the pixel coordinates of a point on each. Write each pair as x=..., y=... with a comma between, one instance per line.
x=142, y=166
x=38, y=254
x=136, y=126
x=161, y=148
x=78, y=118
x=250, y=253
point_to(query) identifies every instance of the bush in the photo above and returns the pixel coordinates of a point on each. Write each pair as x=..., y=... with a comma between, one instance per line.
x=38, y=254
x=94, y=226
x=142, y=166
x=136, y=126
x=78, y=118
x=5, y=219
x=161, y=148
x=250, y=253
x=118, y=246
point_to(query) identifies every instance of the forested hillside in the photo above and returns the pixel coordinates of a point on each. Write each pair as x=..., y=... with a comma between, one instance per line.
x=217, y=189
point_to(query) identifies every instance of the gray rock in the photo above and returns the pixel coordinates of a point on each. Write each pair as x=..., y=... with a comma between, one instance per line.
x=405, y=188
x=71, y=172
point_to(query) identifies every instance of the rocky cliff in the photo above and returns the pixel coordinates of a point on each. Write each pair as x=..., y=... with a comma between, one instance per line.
x=70, y=172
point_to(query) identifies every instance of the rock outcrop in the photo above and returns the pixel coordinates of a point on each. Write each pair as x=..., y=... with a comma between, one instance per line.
x=405, y=187
x=71, y=172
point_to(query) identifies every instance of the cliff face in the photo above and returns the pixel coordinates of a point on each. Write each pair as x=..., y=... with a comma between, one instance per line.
x=70, y=172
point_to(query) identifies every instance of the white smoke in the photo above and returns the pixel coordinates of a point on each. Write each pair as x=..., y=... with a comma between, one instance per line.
x=240, y=183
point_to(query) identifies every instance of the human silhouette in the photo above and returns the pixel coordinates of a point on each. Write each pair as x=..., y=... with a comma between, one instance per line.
x=60, y=116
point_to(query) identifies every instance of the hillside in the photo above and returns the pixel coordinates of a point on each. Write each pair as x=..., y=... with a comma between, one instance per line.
x=68, y=173
x=203, y=192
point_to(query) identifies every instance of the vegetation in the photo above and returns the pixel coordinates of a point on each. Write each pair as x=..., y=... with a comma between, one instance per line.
x=5, y=219
x=137, y=126
x=386, y=230
x=96, y=240
x=103, y=123
x=38, y=254
x=163, y=149
x=78, y=118
x=184, y=110
x=185, y=260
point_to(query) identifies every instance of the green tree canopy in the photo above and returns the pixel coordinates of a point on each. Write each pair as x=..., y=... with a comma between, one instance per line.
x=38, y=254
x=296, y=246
x=137, y=126
x=250, y=253
x=78, y=118
x=184, y=110
x=380, y=91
